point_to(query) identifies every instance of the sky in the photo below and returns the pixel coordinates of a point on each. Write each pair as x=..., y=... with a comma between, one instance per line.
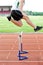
x=33, y=5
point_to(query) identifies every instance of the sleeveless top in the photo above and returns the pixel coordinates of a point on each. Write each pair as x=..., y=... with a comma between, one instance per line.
x=15, y=5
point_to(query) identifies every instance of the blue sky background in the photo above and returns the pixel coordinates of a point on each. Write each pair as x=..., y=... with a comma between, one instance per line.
x=33, y=5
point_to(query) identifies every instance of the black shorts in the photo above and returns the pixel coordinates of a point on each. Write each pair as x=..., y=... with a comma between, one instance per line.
x=16, y=14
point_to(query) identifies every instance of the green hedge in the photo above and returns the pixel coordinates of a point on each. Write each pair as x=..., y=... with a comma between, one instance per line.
x=34, y=13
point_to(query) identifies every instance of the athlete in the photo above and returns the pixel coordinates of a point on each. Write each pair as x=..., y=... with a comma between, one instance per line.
x=17, y=14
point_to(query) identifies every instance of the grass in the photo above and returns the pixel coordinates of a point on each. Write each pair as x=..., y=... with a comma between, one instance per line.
x=8, y=27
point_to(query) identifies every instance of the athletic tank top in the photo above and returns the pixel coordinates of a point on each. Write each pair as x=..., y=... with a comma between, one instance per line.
x=15, y=5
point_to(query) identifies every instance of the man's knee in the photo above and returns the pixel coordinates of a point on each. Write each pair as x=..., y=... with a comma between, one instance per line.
x=25, y=16
x=20, y=25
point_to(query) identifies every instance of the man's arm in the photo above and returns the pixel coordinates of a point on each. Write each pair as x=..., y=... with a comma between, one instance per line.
x=21, y=4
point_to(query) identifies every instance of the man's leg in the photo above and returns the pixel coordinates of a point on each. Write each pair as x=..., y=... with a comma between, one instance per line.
x=36, y=28
x=18, y=23
x=26, y=18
